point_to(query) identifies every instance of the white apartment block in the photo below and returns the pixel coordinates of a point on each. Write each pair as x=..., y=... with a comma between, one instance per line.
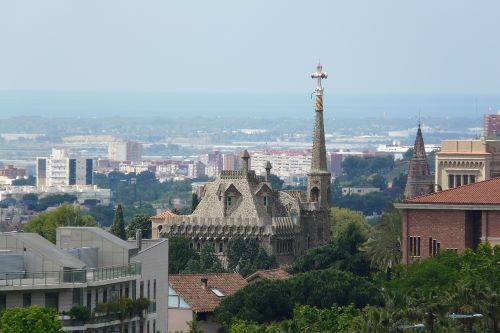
x=85, y=267
x=125, y=151
x=60, y=169
x=285, y=163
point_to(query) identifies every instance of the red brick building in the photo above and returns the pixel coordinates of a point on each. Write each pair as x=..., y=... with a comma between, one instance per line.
x=453, y=219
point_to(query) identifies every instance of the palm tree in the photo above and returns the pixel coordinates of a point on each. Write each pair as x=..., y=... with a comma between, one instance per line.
x=466, y=298
x=384, y=246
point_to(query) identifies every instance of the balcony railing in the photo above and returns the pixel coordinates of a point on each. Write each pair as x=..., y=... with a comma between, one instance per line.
x=95, y=320
x=71, y=276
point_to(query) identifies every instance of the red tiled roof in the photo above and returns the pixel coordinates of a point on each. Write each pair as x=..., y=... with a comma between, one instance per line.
x=270, y=274
x=189, y=287
x=482, y=193
x=163, y=215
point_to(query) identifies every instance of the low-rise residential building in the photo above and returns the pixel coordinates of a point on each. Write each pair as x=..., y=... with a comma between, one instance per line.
x=453, y=220
x=195, y=296
x=85, y=267
x=358, y=190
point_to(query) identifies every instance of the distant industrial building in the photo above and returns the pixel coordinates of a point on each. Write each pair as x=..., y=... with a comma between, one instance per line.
x=125, y=151
x=59, y=169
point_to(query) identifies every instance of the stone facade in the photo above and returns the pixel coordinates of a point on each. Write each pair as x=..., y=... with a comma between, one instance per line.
x=461, y=162
x=239, y=203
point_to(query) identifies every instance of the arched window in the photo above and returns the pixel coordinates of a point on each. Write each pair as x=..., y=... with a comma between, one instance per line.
x=314, y=194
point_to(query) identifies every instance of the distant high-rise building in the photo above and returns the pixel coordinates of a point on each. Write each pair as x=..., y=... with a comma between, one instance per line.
x=125, y=151
x=335, y=163
x=491, y=125
x=420, y=180
x=61, y=169
x=213, y=163
x=196, y=170
x=229, y=161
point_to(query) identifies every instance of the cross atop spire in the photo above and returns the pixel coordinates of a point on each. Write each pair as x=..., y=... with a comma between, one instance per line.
x=319, y=74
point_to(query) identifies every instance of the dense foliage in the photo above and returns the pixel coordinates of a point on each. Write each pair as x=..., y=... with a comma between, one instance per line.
x=370, y=171
x=179, y=254
x=305, y=319
x=32, y=319
x=131, y=188
x=343, y=252
x=246, y=256
x=46, y=223
x=266, y=301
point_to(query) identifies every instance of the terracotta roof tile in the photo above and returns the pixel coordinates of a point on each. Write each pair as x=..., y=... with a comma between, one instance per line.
x=163, y=215
x=481, y=193
x=189, y=287
x=270, y=274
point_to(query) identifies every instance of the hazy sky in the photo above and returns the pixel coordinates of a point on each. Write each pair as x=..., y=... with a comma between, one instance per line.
x=393, y=46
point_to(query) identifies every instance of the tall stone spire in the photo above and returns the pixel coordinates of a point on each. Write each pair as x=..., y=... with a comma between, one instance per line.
x=318, y=180
x=318, y=162
x=420, y=180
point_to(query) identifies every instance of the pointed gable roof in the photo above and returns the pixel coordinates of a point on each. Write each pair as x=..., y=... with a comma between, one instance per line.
x=482, y=193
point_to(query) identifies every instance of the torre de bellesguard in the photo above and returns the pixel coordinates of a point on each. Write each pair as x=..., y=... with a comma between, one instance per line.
x=239, y=203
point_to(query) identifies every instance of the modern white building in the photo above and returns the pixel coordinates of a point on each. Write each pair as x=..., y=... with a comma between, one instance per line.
x=85, y=267
x=61, y=169
x=125, y=151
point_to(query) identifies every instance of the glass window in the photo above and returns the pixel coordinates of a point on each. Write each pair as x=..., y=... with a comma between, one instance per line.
x=265, y=201
x=154, y=289
x=52, y=300
x=465, y=179
x=26, y=300
x=221, y=247
x=451, y=181
x=3, y=301
x=217, y=292
x=458, y=180
x=472, y=178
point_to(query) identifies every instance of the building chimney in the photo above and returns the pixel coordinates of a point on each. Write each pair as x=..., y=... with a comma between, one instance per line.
x=204, y=283
x=246, y=162
x=138, y=239
x=268, y=171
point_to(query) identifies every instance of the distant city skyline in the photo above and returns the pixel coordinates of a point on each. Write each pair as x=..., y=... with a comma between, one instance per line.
x=384, y=46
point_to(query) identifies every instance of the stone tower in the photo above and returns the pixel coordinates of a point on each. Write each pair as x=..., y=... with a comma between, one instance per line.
x=316, y=210
x=319, y=178
x=420, y=180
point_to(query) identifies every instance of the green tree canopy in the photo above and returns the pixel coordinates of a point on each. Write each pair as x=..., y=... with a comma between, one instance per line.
x=118, y=226
x=246, y=256
x=140, y=221
x=179, y=254
x=340, y=218
x=32, y=319
x=46, y=223
x=266, y=301
x=343, y=252
x=206, y=262
x=384, y=246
